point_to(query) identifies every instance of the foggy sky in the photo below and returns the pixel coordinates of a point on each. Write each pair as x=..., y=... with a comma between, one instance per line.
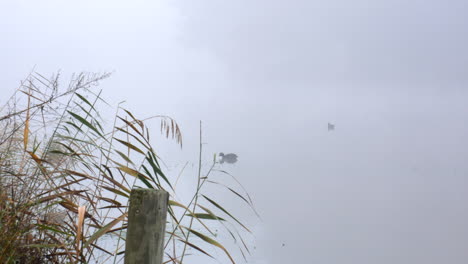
x=265, y=77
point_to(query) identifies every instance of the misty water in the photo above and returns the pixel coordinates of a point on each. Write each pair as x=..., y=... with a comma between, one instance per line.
x=388, y=184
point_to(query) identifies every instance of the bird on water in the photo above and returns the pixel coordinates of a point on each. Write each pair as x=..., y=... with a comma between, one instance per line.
x=228, y=158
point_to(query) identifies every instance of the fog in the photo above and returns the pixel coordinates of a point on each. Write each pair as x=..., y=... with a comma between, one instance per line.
x=388, y=185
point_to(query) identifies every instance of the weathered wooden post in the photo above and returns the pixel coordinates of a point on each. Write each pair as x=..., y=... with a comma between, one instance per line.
x=146, y=226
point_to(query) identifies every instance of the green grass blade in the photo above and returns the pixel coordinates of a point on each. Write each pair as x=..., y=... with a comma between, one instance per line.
x=211, y=241
x=85, y=122
x=130, y=145
x=226, y=212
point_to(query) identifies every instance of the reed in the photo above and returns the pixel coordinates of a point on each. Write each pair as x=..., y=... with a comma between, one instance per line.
x=66, y=177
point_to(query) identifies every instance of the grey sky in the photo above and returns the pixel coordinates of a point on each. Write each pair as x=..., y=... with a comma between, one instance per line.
x=387, y=186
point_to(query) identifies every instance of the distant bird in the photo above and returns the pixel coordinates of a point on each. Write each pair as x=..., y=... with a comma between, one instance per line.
x=331, y=127
x=228, y=158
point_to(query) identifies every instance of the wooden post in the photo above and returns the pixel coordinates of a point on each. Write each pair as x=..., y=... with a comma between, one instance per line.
x=146, y=226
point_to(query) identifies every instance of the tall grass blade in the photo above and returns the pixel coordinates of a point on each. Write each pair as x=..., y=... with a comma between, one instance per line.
x=85, y=122
x=104, y=230
x=211, y=241
x=226, y=212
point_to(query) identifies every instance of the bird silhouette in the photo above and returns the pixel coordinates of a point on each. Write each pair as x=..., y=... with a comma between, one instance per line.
x=331, y=127
x=228, y=158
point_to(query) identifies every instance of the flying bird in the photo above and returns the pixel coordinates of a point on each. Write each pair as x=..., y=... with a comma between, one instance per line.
x=331, y=127
x=228, y=158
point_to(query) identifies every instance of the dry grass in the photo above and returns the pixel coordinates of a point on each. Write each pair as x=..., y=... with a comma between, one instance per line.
x=65, y=179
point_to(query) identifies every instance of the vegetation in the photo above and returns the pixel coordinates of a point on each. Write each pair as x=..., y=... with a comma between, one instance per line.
x=65, y=179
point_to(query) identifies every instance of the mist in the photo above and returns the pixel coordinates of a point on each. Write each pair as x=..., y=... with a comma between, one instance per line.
x=387, y=185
